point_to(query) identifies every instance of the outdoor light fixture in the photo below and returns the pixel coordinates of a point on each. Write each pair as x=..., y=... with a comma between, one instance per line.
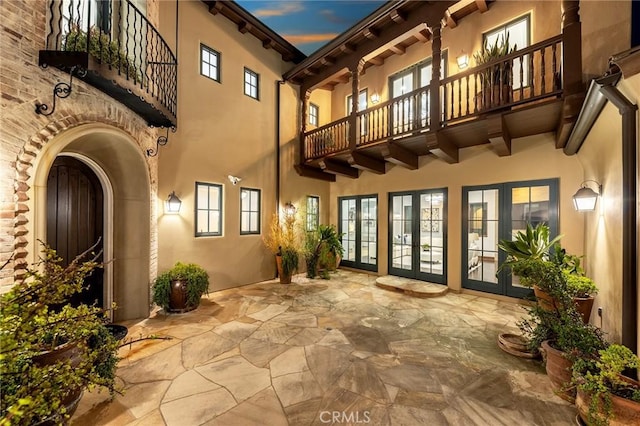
x=173, y=203
x=234, y=179
x=289, y=209
x=585, y=198
x=463, y=61
x=375, y=98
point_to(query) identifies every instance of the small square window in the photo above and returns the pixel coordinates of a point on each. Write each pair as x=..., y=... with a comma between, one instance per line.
x=251, y=83
x=209, y=63
x=208, y=209
x=249, y=211
x=314, y=114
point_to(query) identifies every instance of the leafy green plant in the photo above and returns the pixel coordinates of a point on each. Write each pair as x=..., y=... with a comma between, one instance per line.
x=311, y=253
x=284, y=240
x=580, y=286
x=290, y=259
x=568, y=262
x=601, y=376
x=35, y=319
x=197, y=284
x=323, y=246
x=530, y=244
x=103, y=48
x=489, y=53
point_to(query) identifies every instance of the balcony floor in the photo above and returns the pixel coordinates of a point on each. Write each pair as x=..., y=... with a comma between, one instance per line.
x=293, y=354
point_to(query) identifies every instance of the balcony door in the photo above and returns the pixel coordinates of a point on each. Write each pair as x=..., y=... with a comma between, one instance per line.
x=358, y=226
x=418, y=234
x=362, y=105
x=495, y=212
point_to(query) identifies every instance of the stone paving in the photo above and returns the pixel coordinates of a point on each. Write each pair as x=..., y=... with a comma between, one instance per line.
x=316, y=352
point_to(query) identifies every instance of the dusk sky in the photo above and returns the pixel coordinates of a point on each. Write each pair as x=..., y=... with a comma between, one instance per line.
x=310, y=24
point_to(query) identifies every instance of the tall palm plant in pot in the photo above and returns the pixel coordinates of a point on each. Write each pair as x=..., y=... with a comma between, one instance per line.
x=495, y=79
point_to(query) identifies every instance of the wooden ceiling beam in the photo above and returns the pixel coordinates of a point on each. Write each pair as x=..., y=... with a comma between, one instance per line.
x=371, y=33
x=314, y=173
x=327, y=61
x=498, y=135
x=376, y=61
x=449, y=20
x=442, y=147
x=216, y=7
x=398, y=49
x=336, y=168
x=364, y=162
x=268, y=44
x=347, y=48
x=400, y=156
x=423, y=36
x=482, y=6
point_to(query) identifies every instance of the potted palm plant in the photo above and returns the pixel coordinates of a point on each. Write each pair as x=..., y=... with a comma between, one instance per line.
x=495, y=78
x=180, y=288
x=605, y=396
x=284, y=242
x=50, y=350
x=323, y=250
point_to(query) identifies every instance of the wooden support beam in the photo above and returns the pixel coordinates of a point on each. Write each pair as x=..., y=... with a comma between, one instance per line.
x=398, y=49
x=482, y=6
x=312, y=172
x=397, y=16
x=309, y=71
x=376, y=61
x=336, y=168
x=244, y=27
x=364, y=162
x=344, y=78
x=571, y=106
x=442, y=148
x=449, y=20
x=327, y=61
x=347, y=48
x=499, y=136
x=400, y=156
x=216, y=7
x=424, y=36
x=268, y=44
x=371, y=33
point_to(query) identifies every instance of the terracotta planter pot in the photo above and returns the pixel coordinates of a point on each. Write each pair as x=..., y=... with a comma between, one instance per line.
x=559, y=371
x=584, y=307
x=178, y=297
x=284, y=278
x=624, y=412
x=545, y=301
x=71, y=353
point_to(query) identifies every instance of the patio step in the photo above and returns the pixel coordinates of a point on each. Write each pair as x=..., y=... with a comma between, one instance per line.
x=411, y=287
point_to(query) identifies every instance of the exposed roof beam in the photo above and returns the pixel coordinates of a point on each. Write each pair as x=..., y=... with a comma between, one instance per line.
x=244, y=27
x=448, y=20
x=499, y=136
x=327, y=61
x=371, y=33
x=312, y=172
x=268, y=44
x=398, y=49
x=399, y=155
x=216, y=7
x=364, y=162
x=376, y=61
x=424, y=36
x=330, y=166
x=347, y=48
x=398, y=16
x=442, y=148
x=344, y=78
x=482, y=6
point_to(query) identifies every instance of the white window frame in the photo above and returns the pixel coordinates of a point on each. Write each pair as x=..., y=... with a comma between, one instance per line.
x=250, y=86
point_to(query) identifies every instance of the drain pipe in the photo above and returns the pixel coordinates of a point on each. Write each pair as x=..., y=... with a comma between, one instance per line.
x=629, y=215
x=278, y=84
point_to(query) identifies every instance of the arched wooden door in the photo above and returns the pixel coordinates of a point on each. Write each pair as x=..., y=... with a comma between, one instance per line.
x=75, y=209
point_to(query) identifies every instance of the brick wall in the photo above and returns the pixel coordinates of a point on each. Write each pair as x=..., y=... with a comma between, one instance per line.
x=23, y=133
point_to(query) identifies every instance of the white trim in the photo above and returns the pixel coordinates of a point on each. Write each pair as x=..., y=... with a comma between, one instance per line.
x=107, y=190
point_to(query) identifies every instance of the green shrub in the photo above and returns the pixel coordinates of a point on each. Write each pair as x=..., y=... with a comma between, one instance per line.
x=197, y=284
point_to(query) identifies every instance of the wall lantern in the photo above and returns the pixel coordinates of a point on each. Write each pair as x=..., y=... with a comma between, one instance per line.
x=375, y=98
x=463, y=61
x=584, y=200
x=173, y=203
x=289, y=209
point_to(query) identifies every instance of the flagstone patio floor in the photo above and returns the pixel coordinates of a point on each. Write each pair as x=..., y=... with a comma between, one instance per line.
x=318, y=352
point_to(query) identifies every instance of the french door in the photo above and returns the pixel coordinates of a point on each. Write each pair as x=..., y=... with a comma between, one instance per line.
x=495, y=212
x=358, y=226
x=418, y=234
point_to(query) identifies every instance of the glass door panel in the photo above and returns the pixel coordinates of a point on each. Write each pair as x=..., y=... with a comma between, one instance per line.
x=359, y=228
x=417, y=237
x=483, y=222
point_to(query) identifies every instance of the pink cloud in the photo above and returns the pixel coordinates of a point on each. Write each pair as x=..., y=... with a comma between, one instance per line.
x=308, y=38
x=280, y=9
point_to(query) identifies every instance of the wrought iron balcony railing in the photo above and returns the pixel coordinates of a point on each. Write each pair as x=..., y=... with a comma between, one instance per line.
x=122, y=52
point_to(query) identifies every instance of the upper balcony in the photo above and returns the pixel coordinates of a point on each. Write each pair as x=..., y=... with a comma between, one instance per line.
x=112, y=46
x=533, y=90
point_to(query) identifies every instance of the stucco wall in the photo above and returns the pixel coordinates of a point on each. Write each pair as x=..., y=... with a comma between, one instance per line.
x=601, y=156
x=533, y=158
x=222, y=132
